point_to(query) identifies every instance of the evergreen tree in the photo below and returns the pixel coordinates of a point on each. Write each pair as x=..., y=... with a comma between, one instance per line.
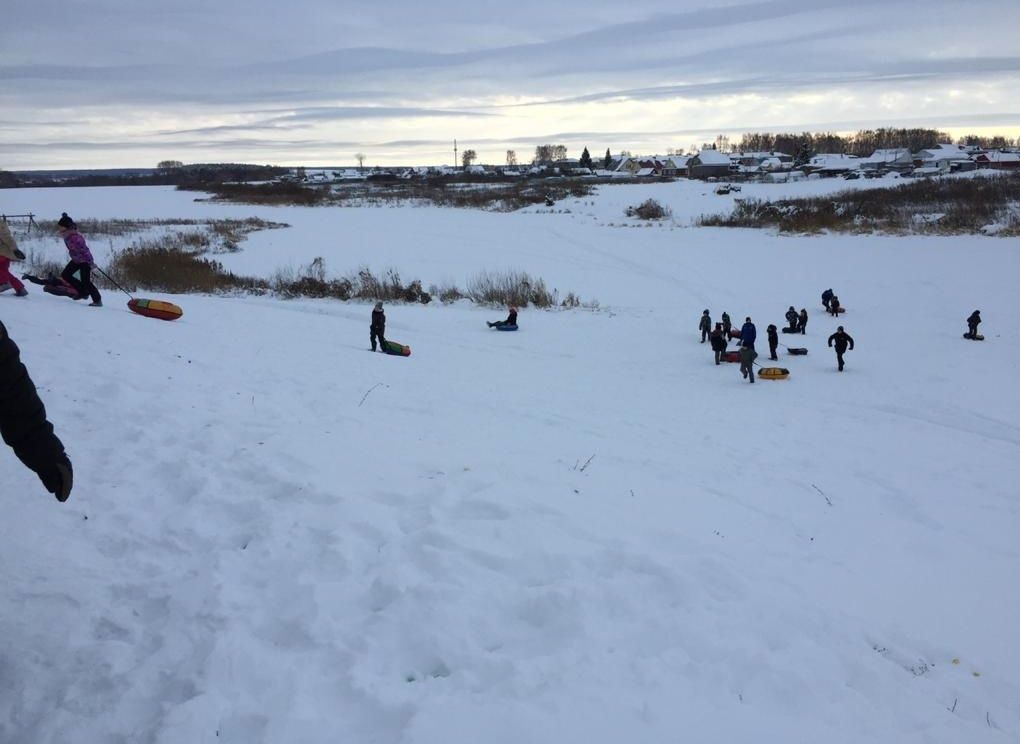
x=585, y=161
x=608, y=160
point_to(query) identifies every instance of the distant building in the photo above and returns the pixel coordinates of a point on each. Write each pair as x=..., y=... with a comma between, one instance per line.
x=944, y=158
x=709, y=164
x=998, y=159
x=832, y=164
x=897, y=159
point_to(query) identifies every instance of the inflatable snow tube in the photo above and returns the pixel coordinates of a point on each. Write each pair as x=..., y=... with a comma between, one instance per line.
x=790, y=330
x=506, y=327
x=773, y=373
x=155, y=309
x=796, y=352
x=395, y=349
x=730, y=356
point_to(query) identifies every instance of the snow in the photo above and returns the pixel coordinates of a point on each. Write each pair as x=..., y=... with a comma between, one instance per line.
x=583, y=531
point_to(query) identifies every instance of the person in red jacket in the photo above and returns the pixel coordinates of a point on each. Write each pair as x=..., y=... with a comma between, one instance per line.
x=24, y=426
x=9, y=252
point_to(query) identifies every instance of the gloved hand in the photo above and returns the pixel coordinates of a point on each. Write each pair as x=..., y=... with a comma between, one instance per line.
x=58, y=478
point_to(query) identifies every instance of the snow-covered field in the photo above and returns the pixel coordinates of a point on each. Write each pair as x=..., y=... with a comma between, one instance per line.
x=581, y=532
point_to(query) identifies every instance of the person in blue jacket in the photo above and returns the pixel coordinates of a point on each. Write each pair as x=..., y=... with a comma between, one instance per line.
x=748, y=334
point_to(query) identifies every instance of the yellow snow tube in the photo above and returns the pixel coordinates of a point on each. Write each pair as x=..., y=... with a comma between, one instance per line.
x=773, y=373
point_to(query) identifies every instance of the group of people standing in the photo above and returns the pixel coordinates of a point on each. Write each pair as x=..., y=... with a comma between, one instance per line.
x=75, y=281
x=722, y=333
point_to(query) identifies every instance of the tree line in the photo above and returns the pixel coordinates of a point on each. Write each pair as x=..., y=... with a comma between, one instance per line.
x=863, y=142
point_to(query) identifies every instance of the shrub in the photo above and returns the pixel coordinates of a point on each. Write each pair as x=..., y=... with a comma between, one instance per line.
x=509, y=288
x=649, y=209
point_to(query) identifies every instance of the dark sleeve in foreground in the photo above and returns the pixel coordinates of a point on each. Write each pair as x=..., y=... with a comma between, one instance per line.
x=23, y=422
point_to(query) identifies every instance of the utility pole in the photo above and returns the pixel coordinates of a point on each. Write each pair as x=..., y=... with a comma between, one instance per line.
x=455, y=153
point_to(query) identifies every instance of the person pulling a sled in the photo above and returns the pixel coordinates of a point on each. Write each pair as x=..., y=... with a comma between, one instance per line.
x=719, y=339
x=972, y=324
x=773, y=336
x=378, y=328
x=842, y=339
x=81, y=262
x=748, y=334
x=511, y=320
x=827, y=296
x=24, y=426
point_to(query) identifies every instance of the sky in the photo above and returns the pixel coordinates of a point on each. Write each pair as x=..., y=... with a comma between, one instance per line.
x=125, y=83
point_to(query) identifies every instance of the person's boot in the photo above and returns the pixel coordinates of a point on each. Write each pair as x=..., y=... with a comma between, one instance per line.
x=21, y=293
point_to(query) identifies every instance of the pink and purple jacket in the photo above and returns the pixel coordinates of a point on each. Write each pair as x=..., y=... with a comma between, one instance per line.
x=78, y=248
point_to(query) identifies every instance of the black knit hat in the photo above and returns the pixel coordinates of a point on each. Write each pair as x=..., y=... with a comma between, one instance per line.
x=66, y=222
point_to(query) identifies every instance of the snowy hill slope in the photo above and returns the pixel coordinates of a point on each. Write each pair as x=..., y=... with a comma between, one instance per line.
x=584, y=531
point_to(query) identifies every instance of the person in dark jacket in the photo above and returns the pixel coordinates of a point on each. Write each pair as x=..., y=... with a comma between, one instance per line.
x=705, y=325
x=511, y=320
x=24, y=426
x=719, y=340
x=378, y=328
x=726, y=324
x=773, y=337
x=842, y=339
x=81, y=262
x=53, y=285
x=802, y=321
x=827, y=296
x=748, y=334
x=972, y=323
x=792, y=319
x=834, y=306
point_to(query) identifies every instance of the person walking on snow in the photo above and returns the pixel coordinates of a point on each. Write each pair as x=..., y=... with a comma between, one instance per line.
x=802, y=321
x=81, y=262
x=511, y=320
x=24, y=426
x=9, y=252
x=378, y=327
x=718, y=339
x=705, y=325
x=842, y=339
x=748, y=334
x=972, y=322
x=773, y=337
x=726, y=325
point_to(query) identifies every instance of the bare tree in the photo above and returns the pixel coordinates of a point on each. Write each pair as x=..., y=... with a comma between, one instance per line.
x=545, y=154
x=511, y=158
x=360, y=157
x=467, y=157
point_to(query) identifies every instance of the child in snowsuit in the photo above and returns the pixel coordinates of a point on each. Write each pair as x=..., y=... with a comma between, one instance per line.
x=81, y=262
x=53, y=285
x=773, y=337
x=511, y=320
x=842, y=338
x=718, y=339
x=705, y=325
x=972, y=323
x=748, y=334
x=827, y=296
x=792, y=319
x=378, y=327
x=9, y=252
x=802, y=321
x=726, y=325
x=834, y=306
x=24, y=426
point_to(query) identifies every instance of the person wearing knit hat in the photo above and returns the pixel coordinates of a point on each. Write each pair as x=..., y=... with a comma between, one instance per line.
x=378, y=328
x=81, y=262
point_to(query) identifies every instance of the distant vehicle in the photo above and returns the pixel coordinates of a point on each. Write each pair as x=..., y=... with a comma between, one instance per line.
x=726, y=188
x=851, y=175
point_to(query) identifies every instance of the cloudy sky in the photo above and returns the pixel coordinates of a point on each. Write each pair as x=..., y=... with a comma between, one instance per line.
x=115, y=83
